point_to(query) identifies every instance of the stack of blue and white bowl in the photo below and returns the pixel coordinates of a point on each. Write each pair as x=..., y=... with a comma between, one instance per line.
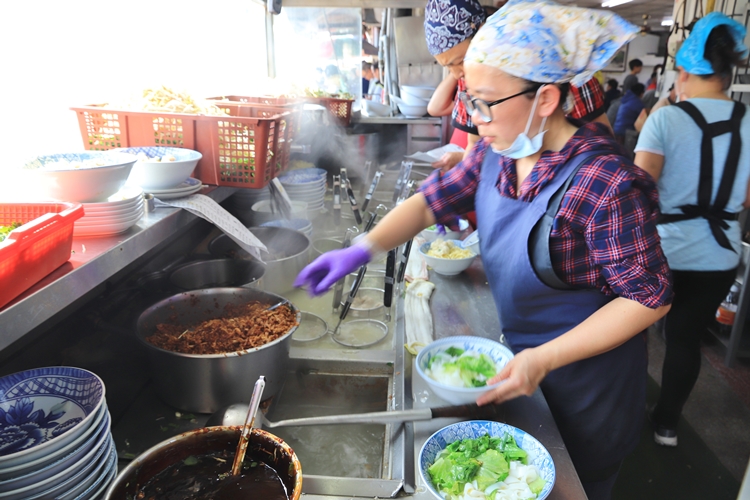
x=306, y=184
x=55, y=439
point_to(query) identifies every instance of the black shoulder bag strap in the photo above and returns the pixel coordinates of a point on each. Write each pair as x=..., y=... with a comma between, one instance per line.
x=714, y=212
x=539, y=254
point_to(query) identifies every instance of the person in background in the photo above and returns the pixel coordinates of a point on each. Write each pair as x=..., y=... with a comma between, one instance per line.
x=630, y=107
x=666, y=101
x=698, y=150
x=611, y=93
x=649, y=106
x=654, y=78
x=375, y=89
x=573, y=317
x=366, y=77
x=636, y=66
x=449, y=26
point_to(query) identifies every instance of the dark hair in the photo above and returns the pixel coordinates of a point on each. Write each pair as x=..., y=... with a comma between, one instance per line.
x=635, y=63
x=638, y=89
x=721, y=51
x=366, y=66
x=613, y=83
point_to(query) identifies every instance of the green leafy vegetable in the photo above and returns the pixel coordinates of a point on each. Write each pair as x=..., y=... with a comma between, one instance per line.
x=454, y=351
x=485, y=460
x=5, y=230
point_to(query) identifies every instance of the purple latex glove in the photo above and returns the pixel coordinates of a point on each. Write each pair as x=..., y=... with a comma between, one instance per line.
x=330, y=267
x=440, y=229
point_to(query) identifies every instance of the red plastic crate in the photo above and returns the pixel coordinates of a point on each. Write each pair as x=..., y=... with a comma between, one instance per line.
x=240, y=150
x=340, y=109
x=38, y=247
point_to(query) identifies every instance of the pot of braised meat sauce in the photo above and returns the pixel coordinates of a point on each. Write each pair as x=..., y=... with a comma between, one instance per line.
x=208, y=347
x=196, y=465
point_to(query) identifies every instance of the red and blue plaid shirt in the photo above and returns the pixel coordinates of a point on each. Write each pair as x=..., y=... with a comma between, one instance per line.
x=604, y=235
x=588, y=101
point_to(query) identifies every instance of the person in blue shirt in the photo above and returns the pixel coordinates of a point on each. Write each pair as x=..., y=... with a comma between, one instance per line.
x=697, y=150
x=631, y=106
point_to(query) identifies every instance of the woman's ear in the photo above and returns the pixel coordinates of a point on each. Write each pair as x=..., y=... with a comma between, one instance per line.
x=549, y=100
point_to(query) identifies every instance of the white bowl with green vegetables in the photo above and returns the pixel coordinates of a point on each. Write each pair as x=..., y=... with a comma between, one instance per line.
x=485, y=460
x=457, y=368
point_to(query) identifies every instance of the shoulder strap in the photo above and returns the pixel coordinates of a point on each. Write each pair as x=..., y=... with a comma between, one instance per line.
x=539, y=254
x=714, y=212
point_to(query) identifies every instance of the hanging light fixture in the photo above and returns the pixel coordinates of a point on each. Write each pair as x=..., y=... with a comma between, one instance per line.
x=614, y=3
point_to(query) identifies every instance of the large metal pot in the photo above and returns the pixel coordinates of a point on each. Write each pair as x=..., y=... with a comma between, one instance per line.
x=289, y=252
x=218, y=273
x=262, y=445
x=204, y=383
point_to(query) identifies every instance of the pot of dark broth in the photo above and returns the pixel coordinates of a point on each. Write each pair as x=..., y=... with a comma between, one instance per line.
x=196, y=465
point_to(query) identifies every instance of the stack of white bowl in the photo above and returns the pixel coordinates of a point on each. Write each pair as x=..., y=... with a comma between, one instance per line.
x=55, y=435
x=119, y=213
x=164, y=172
x=413, y=101
x=307, y=185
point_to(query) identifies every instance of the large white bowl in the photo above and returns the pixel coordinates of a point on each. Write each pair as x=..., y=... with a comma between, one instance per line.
x=473, y=429
x=461, y=395
x=151, y=174
x=45, y=409
x=91, y=184
x=446, y=267
x=412, y=111
x=412, y=99
x=375, y=108
x=418, y=91
x=431, y=235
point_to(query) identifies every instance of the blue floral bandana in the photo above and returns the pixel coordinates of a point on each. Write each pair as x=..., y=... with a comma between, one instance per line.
x=545, y=42
x=690, y=55
x=449, y=22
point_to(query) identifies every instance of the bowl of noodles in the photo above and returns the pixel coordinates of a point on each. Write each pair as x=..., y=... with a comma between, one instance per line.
x=447, y=257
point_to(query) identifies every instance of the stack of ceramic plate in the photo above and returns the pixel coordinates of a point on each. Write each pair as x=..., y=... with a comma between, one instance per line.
x=186, y=188
x=119, y=213
x=306, y=184
x=55, y=435
x=304, y=226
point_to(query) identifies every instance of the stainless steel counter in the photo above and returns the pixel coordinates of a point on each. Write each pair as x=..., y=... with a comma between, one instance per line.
x=324, y=377
x=92, y=262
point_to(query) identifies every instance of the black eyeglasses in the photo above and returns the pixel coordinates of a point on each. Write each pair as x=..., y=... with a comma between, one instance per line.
x=483, y=107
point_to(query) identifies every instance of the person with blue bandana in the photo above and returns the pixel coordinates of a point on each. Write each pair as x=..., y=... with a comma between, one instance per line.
x=567, y=227
x=697, y=151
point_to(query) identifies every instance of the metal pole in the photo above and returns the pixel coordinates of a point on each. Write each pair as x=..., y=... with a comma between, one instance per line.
x=270, y=47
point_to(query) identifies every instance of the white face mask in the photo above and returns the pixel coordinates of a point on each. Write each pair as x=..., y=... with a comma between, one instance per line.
x=524, y=146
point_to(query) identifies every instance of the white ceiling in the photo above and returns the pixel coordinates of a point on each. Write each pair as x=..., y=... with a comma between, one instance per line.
x=634, y=11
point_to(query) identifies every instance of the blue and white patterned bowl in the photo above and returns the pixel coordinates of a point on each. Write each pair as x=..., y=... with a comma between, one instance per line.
x=84, y=185
x=45, y=409
x=151, y=174
x=303, y=176
x=537, y=453
x=461, y=395
x=62, y=466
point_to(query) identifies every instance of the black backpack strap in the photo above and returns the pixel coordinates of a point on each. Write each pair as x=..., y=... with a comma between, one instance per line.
x=539, y=253
x=714, y=212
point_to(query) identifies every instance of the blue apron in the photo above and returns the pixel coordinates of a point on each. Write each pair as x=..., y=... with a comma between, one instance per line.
x=598, y=403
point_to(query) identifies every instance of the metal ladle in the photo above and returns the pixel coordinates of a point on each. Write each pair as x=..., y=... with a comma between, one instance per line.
x=252, y=410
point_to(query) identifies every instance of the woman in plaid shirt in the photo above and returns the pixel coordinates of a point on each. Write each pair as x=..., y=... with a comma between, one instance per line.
x=575, y=289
